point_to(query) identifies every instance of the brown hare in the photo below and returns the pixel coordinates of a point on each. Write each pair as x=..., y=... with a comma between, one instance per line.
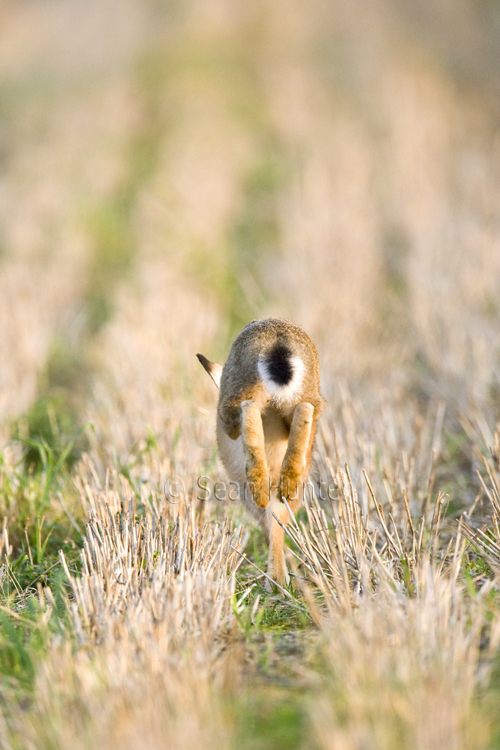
x=269, y=405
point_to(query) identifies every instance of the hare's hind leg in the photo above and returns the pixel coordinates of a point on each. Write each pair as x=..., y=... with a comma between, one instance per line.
x=256, y=471
x=295, y=463
x=293, y=473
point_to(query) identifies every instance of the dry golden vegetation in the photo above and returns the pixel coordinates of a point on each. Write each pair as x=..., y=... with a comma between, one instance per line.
x=169, y=172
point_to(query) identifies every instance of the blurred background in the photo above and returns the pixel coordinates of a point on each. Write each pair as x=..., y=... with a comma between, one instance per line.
x=172, y=170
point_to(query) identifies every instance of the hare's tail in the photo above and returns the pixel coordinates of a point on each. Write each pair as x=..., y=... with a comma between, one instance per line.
x=282, y=372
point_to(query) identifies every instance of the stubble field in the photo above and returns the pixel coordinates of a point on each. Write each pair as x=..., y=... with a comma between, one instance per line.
x=170, y=172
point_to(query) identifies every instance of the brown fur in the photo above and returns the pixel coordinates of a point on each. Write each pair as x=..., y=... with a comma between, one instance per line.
x=273, y=456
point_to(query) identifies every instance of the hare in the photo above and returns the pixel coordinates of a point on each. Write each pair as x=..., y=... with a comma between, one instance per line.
x=269, y=405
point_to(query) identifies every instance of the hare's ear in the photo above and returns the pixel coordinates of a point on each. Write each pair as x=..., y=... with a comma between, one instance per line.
x=213, y=369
